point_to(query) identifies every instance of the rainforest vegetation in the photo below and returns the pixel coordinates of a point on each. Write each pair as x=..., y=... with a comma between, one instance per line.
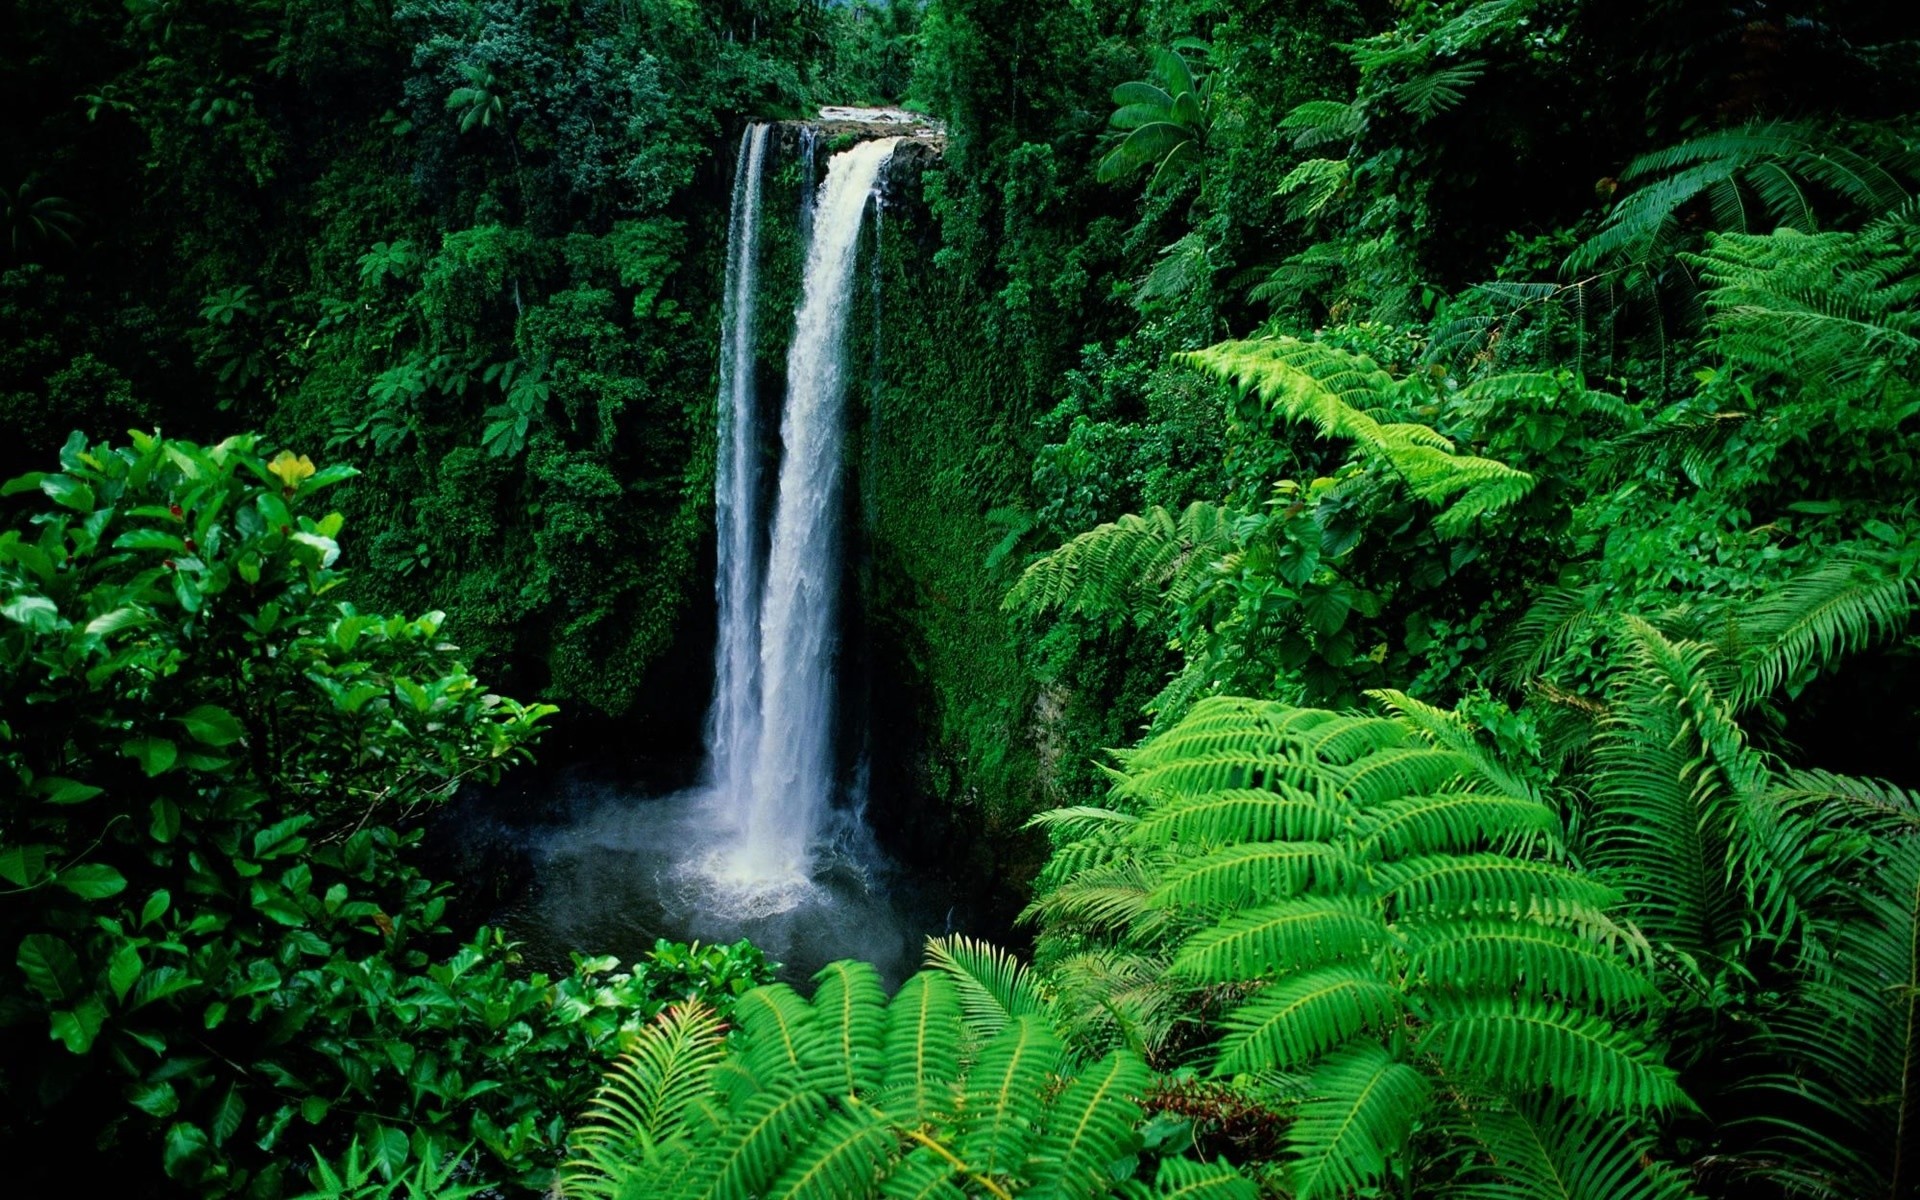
x=1391, y=531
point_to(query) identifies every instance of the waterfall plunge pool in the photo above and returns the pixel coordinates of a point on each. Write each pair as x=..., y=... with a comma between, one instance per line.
x=582, y=860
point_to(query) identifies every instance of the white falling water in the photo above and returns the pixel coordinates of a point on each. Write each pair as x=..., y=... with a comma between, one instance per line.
x=732, y=722
x=779, y=807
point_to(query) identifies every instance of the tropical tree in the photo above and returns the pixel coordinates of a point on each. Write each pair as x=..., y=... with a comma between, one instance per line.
x=1166, y=118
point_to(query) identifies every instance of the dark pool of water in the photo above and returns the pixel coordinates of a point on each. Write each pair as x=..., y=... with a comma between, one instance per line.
x=577, y=861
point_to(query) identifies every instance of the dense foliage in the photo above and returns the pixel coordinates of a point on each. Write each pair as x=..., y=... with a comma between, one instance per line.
x=1460, y=450
x=211, y=767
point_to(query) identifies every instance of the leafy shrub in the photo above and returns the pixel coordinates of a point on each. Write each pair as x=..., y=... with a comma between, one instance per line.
x=217, y=947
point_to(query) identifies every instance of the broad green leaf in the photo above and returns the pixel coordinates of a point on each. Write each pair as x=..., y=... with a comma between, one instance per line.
x=165, y=825
x=212, y=725
x=150, y=539
x=185, y=1151
x=123, y=969
x=22, y=865
x=227, y=1117
x=155, y=1099
x=50, y=965
x=37, y=613
x=154, y=754
x=92, y=881
x=22, y=483
x=78, y=1027
x=282, y=837
x=155, y=907
x=386, y=1148
x=64, y=791
x=68, y=492
x=120, y=618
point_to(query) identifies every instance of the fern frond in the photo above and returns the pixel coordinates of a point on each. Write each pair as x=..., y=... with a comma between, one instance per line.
x=1112, y=897
x=925, y=1174
x=646, y=1090
x=1813, y=619
x=1320, y=122
x=1529, y=1044
x=995, y=988
x=1337, y=393
x=1488, y=883
x=1427, y=96
x=851, y=1026
x=1302, y=1017
x=1184, y=1179
x=1402, y=771
x=923, y=1046
x=1362, y=1109
x=1090, y=1125
x=1535, y=1151
x=1494, y=954
x=780, y=1026
x=1125, y=568
x=844, y=1159
x=1557, y=619
x=1250, y=873
x=1005, y=1094
x=756, y=1145
x=1457, y=822
x=1292, y=935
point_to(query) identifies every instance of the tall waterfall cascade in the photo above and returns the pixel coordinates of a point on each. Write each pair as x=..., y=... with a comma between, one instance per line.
x=771, y=727
x=732, y=721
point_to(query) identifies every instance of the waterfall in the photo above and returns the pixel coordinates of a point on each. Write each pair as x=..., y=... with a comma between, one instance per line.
x=732, y=721
x=773, y=746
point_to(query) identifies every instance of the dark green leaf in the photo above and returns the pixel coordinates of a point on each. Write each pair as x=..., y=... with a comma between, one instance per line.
x=212, y=725
x=78, y=1027
x=154, y=754
x=64, y=791
x=50, y=965
x=68, y=492
x=92, y=881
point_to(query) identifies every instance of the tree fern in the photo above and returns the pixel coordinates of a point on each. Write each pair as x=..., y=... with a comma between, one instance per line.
x=1536, y=1151
x=1344, y=396
x=851, y=1095
x=1386, y=918
x=993, y=986
x=1128, y=568
x=1837, y=313
x=1761, y=173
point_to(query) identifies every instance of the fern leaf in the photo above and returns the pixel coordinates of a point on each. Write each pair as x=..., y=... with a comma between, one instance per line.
x=1251, y=873
x=1089, y=1126
x=1301, y=1017
x=780, y=1028
x=1336, y=393
x=1533, y=1044
x=1815, y=618
x=1005, y=1094
x=923, y=1046
x=1557, y=1152
x=756, y=1145
x=844, y=1159
x=647, y=1089
x=1457, y=822
x=995, y=988
x=850, y=1025
x=1183, y=1179
x=1364, y=1106
x=1489, y=883
x=925, y=1174
x=1289, y=936
x=1242, y=814
x=1496, y=955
